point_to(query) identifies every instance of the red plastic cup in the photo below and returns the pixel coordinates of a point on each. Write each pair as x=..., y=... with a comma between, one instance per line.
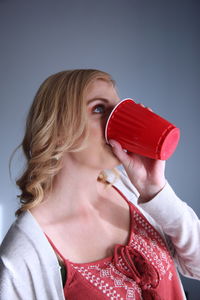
x=141, y=131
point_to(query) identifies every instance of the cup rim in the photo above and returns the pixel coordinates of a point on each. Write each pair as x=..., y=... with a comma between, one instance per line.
x=106, y=128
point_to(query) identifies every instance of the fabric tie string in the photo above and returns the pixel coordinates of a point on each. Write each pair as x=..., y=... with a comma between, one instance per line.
x=134, y=265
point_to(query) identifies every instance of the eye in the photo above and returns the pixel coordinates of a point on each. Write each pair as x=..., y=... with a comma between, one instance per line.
x=99, y=109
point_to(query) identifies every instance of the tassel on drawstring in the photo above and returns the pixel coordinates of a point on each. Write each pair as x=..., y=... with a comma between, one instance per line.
x=134, y=265
x=150, y=295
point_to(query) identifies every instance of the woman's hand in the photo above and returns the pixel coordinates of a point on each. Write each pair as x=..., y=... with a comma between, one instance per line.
x=146, y=174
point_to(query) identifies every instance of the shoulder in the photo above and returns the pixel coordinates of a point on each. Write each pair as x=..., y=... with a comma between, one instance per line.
x=25, y=244
x=16, y=237
x=21, y=235
x=27, y=261
x=123, y=183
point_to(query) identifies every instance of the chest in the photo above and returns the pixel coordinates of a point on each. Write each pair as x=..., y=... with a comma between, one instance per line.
x=93, y=237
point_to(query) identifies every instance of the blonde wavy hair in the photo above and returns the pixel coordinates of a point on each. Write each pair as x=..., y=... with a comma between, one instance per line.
x=57, y=113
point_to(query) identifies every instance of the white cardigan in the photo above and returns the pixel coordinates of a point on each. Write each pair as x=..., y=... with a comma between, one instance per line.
x=29, y=268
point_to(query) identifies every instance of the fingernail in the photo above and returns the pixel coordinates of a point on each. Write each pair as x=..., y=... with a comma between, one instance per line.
x=111, y=143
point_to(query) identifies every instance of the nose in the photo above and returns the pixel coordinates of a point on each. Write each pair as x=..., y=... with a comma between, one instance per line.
x=107, y=114
x=110, y=109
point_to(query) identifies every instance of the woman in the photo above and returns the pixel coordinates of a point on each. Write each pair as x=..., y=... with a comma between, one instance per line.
x=84, y=230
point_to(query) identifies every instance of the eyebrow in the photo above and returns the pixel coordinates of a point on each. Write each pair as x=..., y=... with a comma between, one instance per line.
x=95, y=99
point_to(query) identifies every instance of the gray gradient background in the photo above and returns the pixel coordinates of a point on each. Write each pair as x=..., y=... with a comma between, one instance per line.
x=150, y=47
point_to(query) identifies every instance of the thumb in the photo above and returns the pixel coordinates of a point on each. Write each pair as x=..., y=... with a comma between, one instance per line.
x=119, y=152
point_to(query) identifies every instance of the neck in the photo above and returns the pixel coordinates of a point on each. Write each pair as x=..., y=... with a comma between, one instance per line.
x=75, y=192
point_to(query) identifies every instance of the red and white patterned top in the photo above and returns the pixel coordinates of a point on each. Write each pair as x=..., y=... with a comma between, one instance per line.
x=141, y=270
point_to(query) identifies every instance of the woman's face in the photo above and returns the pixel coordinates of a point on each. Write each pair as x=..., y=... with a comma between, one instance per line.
x=101, y=98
